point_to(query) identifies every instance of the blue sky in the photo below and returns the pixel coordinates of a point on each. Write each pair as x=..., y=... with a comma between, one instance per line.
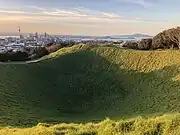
x=89, y=17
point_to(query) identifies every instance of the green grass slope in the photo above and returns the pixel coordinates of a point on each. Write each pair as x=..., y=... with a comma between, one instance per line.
x=81, y=84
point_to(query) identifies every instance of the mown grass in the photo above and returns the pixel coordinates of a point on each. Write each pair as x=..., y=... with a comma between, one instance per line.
x=83, y=84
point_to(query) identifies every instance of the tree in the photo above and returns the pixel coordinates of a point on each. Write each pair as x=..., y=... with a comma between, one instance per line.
x=167, y=39
x=145, y=44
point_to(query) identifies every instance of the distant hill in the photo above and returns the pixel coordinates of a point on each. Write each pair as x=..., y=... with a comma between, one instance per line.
x=140, y=35
x=130, y=36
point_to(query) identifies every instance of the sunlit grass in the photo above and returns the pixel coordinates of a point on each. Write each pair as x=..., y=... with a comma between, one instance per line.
x=161, y=125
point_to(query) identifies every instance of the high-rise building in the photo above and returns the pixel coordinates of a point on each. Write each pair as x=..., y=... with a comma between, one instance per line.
x=37, y=37
x=21, y=37
x=45, y=35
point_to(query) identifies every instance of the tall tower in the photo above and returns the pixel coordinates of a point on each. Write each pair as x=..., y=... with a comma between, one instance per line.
x=19, y=30
x=20, y=35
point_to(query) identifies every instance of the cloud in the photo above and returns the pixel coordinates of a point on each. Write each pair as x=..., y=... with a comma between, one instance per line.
x=35, y=7
x=75, y=15
x=142, y=3
x=111, y=15
x=63, y=12
x=12, y=12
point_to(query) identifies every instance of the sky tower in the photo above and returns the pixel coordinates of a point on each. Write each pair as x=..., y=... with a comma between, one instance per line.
x=20, y=35
x=19, y=29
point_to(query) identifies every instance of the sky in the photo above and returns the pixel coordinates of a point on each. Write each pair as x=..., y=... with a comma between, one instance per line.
x=89, y=17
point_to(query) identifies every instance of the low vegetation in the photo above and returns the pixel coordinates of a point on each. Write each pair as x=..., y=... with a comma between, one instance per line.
x=162, y=125
x=83, y=84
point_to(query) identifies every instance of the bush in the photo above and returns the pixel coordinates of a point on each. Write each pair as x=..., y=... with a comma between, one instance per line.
x=68, y=43
x=131, y=45
x=167, y=39
x=145, y=44
x=38, y=52
x=13, y=56
x=54, y=48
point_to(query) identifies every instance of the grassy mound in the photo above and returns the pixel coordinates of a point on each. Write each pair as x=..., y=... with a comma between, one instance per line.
x=81, y=84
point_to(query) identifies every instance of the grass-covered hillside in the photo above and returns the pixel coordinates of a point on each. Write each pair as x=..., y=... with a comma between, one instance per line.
x=85, y=84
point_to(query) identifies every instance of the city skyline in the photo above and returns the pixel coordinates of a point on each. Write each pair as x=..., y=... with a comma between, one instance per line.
x=95, y=17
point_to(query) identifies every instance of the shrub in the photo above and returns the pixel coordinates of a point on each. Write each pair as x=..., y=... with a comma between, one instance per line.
x=145, y=44
x=13, y=56
x=167, y=39
x=131, y=45
x=38, y=52
x=54, y=48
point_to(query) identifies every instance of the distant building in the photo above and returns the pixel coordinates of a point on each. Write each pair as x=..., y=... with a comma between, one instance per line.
x=45, y=35
x=21, y=37
x=2, y=41
x=36, y=35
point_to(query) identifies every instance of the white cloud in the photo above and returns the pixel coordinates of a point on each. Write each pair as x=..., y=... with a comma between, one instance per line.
x=111, y=15
x=76, y=15
x=142, y=3
x=62, y=12
x=35, y=7
x=12, y=12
